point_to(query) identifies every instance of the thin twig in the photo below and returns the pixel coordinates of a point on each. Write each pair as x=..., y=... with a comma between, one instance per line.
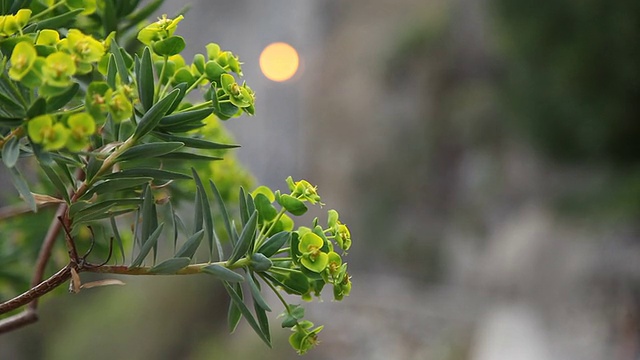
x=29, y=296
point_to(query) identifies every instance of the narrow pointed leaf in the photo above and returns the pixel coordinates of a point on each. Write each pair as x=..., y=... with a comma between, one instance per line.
x=102, y=207
x=182, y=91
x=184, y=117
x=116, y=235
x=246, y=313
x=146, y=83
x=223, y=211
x=223, y=273
x=112, y=71
x=151, y=118
x=170, y=266
x=39, y=107
x=246, y=238
x=189, y=248
x=120, y=64
x=11, y=152
x=188, y=156
x=56, y=181
x=234, y=315
x=149, y=150
x=156, y=174
x=244, y=211
x=194, y=142
x=56, y=102
x=255, y=293
x=274, y=243
x=147, y=246
x=263, y=321
x=23, y=188
x=59, y=21
x=102, y=215
x=206, y=210
x=149, y=216
x=114, y=185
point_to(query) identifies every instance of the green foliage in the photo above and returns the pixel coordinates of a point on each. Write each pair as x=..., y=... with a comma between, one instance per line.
x=105, y=125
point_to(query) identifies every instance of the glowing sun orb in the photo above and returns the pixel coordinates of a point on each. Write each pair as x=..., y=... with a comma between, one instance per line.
x=279, y=61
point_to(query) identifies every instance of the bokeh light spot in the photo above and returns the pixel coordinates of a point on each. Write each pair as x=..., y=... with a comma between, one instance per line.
x=279, y=61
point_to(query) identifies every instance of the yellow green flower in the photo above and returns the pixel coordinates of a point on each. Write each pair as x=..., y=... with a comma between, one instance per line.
x=22, y=59
x=58, y=69
x=84, y=48
x=312, y=256
x=81, y=126
x=159, y=30
x=42, y=130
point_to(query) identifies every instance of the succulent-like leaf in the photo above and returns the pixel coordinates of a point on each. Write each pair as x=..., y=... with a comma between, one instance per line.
x=11, y=152
x=274, y=243
x=145, y=79
x=151, y=118
x=189, y=248
x=246, y=313
x=247, y=236
x=147, y=245
x=149, y=150
x=23, y=188
x=223, y=273
x=170, y=266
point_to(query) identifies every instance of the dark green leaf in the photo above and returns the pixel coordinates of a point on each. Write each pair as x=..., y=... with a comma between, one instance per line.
x=260, y=263
x=156, y=174
x=108, y=186
x=244, y=241
x=120, y=64
x=76, y=213
x=146, y=83
x=92, y=167
x=39, y=107
x=112, y=71
x=234, y=313
x=56, y=102
x=266, y=211
x=189, y=248
x=182, y=91
x=102, y=215
x=188, y=156
x=116, y=235
x=255, y=293
x=246, y=313
x=194, y=142
x=56, y=181
x=109, y=18
x=263, y=321
x=56, y=22
x=149, y=216
x=151, y=118
x=11, y=152
x=223, y=273
x=274, y=243
x=170, y=266
x=143, y=14
x=149, y=150
x=223, y=211
x=23, y=188
x=206, y=210
x=184, y=117
x=244, y=211
x=151, y=242
x=198, y=217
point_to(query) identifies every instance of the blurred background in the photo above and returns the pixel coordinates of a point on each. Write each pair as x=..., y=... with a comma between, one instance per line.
x=485, y=154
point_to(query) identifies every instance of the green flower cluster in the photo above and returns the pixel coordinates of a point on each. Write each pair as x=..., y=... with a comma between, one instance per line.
x=12, y=24
x=312, y=259
x=55, y=135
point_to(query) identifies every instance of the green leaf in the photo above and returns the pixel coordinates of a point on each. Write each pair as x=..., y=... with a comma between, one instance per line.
x=114, y=185
x=295, y=313
x=120, y=64
x=246, y=313
x=255, y=293
x=109, y=18
x=206, y=212
x=143, y=14
x=151, y=242
x=244, y=211
x=149, y=216
x=56, y=181
x=56, y=102
x=263, y=320
x=156, y=174
x=293, y=205
x=56, y=22
x=92, y=167
x=266, y=211
x=149, y=150
x=11, y=152
x=188, y=156
x=112, y=71
x=189, y=248
x=116, y=235
x=223, y=273
x=23, y=188
x=244, y=241
x=170, y=46
x=151, y=118
x=39, y=107
x=194, y=142
x=260, y=263
x=102, y=215
x=184, y=117
x=182, y=91
x=78, y=213
x=170, y=266
x=223, y=211
x=274, y=243
x=234, y=315
x=146, y=83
